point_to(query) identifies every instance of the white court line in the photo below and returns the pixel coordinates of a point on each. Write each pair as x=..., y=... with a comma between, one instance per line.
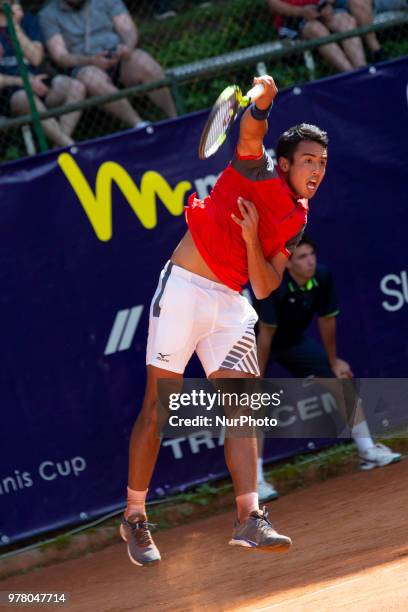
x=328, y=588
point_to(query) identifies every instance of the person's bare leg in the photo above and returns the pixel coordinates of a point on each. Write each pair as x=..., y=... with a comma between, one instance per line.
x=145, y=441
x=143, y=450
x=253, y=529
x=20, y=106
x=142, y=68
x=98, y=83
x=353, y=47
x=363, y=13
x=241, y=455
x=65, y=90
x=332, y=52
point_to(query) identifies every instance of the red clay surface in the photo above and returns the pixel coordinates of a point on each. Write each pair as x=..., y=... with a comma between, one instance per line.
x=350, y=553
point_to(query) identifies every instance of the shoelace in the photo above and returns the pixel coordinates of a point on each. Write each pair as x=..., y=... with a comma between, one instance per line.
x=262, y=519
x=141, y=532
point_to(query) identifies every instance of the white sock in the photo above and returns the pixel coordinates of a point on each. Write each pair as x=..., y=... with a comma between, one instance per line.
x=362, y=437
x=260, y=474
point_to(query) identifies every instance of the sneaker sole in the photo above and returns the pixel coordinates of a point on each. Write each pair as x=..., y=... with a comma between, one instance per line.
x=123, y=536
x=279, y=547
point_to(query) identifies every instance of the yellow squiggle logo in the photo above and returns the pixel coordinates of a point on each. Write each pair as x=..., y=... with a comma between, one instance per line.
x=98, y=205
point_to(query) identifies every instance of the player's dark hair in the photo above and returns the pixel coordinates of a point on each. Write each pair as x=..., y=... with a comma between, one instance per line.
x=289, y=140
x=307, y=240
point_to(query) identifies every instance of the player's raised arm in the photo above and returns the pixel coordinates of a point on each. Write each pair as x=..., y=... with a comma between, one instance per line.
x=254, y=122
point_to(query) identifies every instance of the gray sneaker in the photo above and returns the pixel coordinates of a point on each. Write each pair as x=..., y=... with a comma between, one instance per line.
x=140, y=546
x=258, y=533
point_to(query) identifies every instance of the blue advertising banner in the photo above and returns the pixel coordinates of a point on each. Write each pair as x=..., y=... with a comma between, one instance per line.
x=84, y=235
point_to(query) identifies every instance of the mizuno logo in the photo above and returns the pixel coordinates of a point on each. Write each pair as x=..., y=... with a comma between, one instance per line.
x=123, y=330
x=163, y=357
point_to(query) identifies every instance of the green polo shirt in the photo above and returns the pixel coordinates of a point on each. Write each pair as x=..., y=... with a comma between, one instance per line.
x=291, y=308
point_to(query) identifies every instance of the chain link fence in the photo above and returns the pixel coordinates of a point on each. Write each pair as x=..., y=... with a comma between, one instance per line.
x=176, y=33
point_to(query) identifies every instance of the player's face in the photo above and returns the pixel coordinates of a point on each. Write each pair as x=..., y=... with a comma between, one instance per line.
x=303, y=262
x=306, y=171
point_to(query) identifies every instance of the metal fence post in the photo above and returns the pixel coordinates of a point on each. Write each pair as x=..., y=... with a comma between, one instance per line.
x=178, y=98
x=24, y=75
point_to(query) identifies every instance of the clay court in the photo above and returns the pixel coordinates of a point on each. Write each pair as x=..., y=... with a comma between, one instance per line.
x=350, y=552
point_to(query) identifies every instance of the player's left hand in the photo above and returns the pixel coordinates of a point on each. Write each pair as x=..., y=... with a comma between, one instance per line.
x=249, y=221
x=341, y=369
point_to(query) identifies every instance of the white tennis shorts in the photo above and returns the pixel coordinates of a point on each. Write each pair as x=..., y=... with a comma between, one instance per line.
x=191, y=313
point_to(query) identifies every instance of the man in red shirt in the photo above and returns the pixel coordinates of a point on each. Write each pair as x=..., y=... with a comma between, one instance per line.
x=246, y=229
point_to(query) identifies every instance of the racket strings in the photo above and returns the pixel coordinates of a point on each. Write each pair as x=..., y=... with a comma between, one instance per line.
x=220, y=124
x=223, y=115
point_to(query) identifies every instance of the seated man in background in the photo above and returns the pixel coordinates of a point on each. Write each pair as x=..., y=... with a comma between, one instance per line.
x=311, y=19
x=363, y=11
x=96, y=41
x=307, y=289
x=47, y=91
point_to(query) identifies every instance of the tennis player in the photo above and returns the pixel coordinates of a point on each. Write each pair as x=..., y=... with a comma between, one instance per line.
x=246, y=229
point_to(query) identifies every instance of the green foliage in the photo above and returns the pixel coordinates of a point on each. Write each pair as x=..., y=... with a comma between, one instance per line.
x=198, y=34
x=59, y=543
x=195, y=34
x=227, y=26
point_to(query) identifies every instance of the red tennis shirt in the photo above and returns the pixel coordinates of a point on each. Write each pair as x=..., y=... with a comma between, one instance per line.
x=282, y=217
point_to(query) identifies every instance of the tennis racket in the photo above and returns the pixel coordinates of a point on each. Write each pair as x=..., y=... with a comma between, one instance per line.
x=222, y=116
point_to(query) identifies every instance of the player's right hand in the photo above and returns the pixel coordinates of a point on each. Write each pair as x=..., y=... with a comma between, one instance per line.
x=269, y=93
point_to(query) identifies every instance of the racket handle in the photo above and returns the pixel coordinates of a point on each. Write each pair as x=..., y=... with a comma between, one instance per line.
x=256, y=91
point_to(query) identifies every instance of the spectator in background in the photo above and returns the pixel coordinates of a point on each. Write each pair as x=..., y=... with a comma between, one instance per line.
x=47, y=91
x=311, y=19
x=96, y=40
x=307, y=290
x=363, y=10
